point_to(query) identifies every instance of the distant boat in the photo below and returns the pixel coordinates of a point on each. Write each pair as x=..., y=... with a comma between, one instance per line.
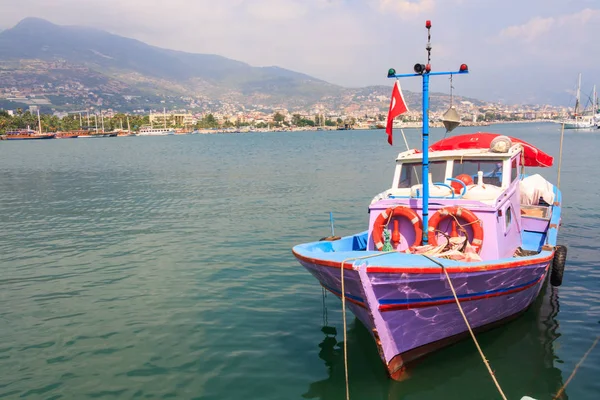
x=580, y=121
x=27, y=134
x=67, y=135
x=156, y=131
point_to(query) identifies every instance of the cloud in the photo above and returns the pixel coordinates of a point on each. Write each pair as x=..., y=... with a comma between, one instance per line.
x=406, y=8
x=276, y=10
x=354, y=42
x=555, y=40
x=538, y=27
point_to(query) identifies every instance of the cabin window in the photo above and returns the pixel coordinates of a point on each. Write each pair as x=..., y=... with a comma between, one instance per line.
x=514, y=171
x=492, y=170
x=507, y=218
x=411, y=173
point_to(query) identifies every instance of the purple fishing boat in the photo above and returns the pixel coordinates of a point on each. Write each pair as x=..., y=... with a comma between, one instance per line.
x=463, y=214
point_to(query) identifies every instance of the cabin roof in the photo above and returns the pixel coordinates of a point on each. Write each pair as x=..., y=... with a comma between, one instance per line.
x=414, y=155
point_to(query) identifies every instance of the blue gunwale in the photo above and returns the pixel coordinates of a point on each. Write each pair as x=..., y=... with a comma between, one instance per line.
x=333, y=253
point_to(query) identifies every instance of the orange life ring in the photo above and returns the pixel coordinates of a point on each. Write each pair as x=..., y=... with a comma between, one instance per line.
x=382, y=220
x=459, y=212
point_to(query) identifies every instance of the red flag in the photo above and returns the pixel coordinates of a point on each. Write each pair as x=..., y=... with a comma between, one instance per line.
x=397, y=107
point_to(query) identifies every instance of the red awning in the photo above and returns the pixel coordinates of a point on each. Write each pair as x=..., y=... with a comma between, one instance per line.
x=534, y=157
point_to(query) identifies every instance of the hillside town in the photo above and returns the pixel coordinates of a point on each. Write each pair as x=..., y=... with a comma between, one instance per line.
x=368, y=112
x=63, y=89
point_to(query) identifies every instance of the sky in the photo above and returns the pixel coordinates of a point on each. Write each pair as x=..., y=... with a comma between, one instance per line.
x=518, y=51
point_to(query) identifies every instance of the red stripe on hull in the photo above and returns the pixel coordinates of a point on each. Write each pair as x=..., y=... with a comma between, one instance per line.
x=358, y=303
x=427, y=270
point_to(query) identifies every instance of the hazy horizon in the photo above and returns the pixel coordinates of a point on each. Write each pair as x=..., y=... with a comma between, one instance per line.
x=530, y=56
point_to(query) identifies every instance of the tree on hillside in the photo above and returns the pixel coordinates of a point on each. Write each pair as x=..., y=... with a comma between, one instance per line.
x=296, y=119
x=278, y=118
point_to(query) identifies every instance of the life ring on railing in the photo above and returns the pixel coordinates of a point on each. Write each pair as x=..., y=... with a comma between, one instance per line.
x=458, y=212
x=382, y=220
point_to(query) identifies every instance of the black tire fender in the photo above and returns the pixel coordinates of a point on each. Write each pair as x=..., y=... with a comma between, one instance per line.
x=558, y=265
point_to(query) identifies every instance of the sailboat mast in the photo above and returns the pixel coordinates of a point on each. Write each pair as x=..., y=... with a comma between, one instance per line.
x=39, y=121
x=578, y=95
x=594, y=102
x=128, y=127
x=165, y=117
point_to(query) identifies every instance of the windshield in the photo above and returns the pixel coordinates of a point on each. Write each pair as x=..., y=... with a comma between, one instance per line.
x=492, y=170
x=411, y=173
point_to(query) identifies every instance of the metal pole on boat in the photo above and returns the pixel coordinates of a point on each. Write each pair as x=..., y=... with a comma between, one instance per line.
x=425, y=157
x=331, y=222
x=424, y=71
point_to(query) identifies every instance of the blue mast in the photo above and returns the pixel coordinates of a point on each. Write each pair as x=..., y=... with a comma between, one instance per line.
x=425, y=72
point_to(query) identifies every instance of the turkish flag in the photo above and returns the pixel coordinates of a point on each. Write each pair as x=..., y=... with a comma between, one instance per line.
x=397, y=107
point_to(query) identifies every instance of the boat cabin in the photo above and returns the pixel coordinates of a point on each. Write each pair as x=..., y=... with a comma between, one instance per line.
x=486, y=184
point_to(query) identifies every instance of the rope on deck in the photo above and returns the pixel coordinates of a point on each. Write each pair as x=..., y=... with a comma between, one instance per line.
x=344, y=310
x=485, y=361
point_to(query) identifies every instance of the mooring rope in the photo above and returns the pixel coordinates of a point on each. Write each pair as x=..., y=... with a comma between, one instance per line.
x=344, y=310
x=562, y=135
x=485, y=361
x=562, y=389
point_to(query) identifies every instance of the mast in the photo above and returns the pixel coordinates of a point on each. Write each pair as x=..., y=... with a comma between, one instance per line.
x=151, y=126
x=128, y=127
x=165, y=116
x=424, y=71
x=578, y=95
x=594, y=103
x=102, y=119
x=87, y=112
x=39, y=121
x=96, y=122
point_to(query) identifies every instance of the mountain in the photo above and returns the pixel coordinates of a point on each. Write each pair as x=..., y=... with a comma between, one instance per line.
x=69, y=61
x=130, y=61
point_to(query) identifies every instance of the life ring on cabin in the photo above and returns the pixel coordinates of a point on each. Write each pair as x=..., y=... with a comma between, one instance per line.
x=458, y=212
x=382, y=220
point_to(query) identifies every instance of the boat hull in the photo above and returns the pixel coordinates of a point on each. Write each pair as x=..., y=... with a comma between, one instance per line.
x=412, y=313
x=32, y=137
x=579, y=125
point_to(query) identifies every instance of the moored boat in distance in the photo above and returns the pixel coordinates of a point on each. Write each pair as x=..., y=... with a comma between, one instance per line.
x=148, y=131
x=579, y=120
x=486, y=249
x=67, y=135
x=27, y=134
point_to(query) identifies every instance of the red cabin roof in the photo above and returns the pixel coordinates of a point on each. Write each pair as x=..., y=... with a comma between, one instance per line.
x=534, y=157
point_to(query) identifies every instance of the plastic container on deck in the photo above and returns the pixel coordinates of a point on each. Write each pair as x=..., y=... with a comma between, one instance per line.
x=480, y=191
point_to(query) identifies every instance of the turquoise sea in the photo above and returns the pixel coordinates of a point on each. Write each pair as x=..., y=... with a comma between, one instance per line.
x=161, y=267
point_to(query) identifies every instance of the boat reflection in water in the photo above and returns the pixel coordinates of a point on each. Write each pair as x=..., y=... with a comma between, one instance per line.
x=521, y=354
